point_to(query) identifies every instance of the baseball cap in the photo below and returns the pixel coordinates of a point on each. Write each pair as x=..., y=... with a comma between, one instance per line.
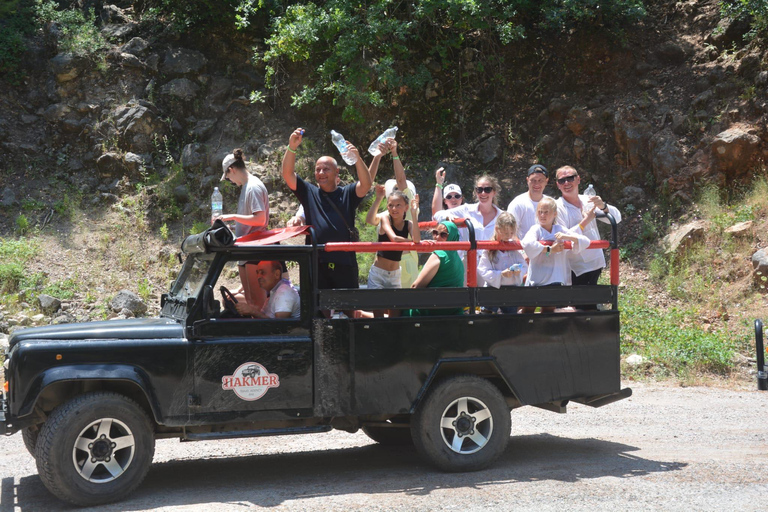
x=228, y=160
x=391, y=185
x=537, y=168
x=451, y=188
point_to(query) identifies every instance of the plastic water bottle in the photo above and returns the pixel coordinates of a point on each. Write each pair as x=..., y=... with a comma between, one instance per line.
x=590, y=191
x=516, y=267
x=343, y=147
x=388, y=134
x=217, y=203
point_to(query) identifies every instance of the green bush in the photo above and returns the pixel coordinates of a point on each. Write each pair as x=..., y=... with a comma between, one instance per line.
x=670, y=339
x=79, y=33
x=365, y=55
x=757, y=9
x=14, y=255
x=14, y=25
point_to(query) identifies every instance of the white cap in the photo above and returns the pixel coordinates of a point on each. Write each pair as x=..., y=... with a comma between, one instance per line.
x=391, y=185
x=228, y=161
x=451, y=188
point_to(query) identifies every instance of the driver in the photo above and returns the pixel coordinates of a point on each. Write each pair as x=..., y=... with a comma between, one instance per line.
x=282, y=298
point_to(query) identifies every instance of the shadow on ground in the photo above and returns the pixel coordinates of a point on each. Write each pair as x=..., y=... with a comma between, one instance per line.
x=270, y=480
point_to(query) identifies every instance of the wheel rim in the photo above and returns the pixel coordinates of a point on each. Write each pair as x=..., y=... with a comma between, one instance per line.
x=466, y=425
x=104, y=450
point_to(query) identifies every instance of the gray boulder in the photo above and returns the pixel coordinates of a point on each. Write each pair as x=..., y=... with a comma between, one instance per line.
x=136, y=46
x=8, y=198
x=683, y=237
x=109, y=163
x=733, y=149
x=49, y=305
x=137, y=124
x=180, y=89
x=760, y=266
x=489, y=150
x=182, y=62
x=126, y=299
x=66, y=67
x=192, y=156
x=666, y=156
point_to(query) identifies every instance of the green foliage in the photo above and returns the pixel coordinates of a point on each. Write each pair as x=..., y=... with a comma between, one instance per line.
x=22, y=224
x=14, y=25
x=164, y=231
x=199, y=227
x=65, y=289
x=145, y=289
x=670, y=341
x=192, y=15
x=14, y=255
x=368, y=233
x=79, y=34
x=365, y=55
x=757, y=9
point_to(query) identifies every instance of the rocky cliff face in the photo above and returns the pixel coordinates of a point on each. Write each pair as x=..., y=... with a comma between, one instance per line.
x=682, y=101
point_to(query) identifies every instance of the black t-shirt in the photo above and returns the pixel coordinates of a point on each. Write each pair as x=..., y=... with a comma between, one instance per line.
x=329, y=226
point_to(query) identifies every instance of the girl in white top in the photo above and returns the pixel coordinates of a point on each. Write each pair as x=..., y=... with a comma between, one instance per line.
x=503, y=268
x=548, y=264
x=482, y=214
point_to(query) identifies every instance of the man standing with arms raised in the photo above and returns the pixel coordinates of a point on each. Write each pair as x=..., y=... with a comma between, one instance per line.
x=330, y=209
x=523, y=207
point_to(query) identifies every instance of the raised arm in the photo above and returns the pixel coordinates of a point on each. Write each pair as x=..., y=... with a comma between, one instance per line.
x=437, y=198
x=415, y=231
x=363, y=174
x=373, y=213
x=374, y=168
x=397, y=164
x=289, y=158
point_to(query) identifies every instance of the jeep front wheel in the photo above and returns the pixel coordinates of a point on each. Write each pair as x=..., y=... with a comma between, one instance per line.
x=95, y=448
x=462, y=425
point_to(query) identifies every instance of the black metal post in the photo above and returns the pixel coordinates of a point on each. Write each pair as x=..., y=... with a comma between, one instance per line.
x=762, y=373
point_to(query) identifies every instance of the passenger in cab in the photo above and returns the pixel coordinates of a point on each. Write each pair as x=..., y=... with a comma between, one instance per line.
x=548, y=264
x=523, y=207
x=282, y=298
x=500, y=268
x=443, y=269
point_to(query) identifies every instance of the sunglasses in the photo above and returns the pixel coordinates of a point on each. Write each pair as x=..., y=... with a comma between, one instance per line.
x=566, y=179
x=484, y=190
x=453, y=196
x=439, y=234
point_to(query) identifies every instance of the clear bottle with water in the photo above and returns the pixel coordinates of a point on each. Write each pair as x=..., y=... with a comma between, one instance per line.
x=217, y=204
x=516, y=267
x=343, y=147
x=590, y=191
x=390, y=133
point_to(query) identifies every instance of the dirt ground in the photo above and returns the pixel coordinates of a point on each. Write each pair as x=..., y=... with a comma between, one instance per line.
x=665, y=448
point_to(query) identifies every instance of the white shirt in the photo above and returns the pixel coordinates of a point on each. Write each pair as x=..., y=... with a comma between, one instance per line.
x=549, y=268
x=491, y=270
x=569, y=216
x=472, y=213
x=523, y=208
x=283, y=298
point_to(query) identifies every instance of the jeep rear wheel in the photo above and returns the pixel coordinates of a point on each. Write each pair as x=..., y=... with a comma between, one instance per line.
x=95, y=448
x=462, y=425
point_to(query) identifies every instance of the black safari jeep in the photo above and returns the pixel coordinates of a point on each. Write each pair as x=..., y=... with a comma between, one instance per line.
x=90, y=399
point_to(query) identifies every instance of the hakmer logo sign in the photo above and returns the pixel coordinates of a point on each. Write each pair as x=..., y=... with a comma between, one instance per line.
x=250, y=381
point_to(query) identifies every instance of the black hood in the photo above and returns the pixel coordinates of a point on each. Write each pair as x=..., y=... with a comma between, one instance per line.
x=130, y=329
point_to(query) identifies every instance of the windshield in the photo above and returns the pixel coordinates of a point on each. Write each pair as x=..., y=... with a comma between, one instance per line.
x=191, y=277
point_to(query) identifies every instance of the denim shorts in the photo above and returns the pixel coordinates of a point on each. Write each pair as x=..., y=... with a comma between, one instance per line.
x=379, y=278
